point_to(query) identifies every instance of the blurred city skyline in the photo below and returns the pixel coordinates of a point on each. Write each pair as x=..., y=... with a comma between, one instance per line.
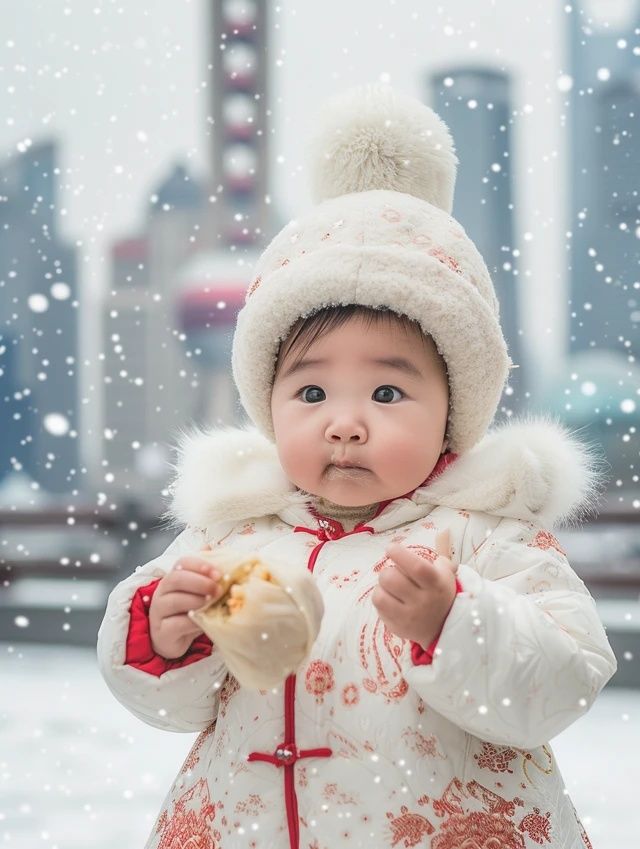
x=121, y=132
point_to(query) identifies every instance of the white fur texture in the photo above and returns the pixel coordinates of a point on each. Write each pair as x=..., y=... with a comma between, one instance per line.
x=382, y=245
x=533, y=469
x=379, y=249
x=372, y=137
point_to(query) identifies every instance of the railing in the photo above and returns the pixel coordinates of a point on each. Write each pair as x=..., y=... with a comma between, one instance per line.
x=134, y=526
x=62, y=599
x=30, y=611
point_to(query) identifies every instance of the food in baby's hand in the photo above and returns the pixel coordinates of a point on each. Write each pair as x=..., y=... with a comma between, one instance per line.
x=265, y=617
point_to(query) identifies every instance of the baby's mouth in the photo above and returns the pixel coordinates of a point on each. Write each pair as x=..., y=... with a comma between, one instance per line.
x=346, y=471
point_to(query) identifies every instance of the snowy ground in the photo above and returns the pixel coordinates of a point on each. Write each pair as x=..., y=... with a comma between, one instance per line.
x=78, y=772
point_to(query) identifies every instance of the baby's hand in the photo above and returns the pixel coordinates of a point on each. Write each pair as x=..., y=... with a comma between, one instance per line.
x=190, y=584
x=414, y=598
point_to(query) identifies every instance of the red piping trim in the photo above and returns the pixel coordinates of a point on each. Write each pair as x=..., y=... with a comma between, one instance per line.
x=424, y=657
x=139, y=651
x=287, y=753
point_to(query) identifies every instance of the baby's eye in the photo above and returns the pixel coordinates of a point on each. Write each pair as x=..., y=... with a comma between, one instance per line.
x=302, y=394
x=387, y=390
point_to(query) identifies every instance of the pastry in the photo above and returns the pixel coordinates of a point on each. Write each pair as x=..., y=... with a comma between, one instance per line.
x=265, y=620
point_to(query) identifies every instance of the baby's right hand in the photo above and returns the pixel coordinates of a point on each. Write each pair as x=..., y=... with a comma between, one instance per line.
x=190, y=584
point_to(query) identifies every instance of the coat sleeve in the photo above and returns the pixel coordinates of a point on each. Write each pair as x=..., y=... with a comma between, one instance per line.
x=522, y=653
x=182, y=699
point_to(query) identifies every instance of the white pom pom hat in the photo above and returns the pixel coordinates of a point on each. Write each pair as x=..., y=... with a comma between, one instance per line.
x=382, y=236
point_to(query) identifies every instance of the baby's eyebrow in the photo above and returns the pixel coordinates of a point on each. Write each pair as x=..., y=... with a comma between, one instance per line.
x=399, y=363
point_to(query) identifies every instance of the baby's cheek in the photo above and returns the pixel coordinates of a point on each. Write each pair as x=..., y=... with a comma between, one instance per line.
x=409, y=457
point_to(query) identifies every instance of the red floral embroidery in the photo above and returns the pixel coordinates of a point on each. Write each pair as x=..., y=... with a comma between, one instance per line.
x=319, y=679
x=408, y=828
x=537, y=826
x=338, y=797
x=545, y=540
x=489, y=828
x=340, y=580
x=426, y=746
x=451, y=800
x=194, y=755
x=342, y=746
x=478, y=830
x=222, y=742
x=253, y=287
x=495, y=758
x=584, y=836
x=227, y=691
x=191, y=821
x=423, y=550
x=350, y=695
x=391, y=215
x=251, y=806
x=492, y=802
x=392, y=647
x=444, y=258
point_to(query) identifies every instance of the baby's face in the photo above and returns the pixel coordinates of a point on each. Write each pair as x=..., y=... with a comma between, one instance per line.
x=347, y=408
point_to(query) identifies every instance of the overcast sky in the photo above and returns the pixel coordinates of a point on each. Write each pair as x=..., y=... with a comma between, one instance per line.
x=123, y=85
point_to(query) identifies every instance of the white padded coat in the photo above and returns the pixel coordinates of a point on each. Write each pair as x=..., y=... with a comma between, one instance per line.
x=362, y=748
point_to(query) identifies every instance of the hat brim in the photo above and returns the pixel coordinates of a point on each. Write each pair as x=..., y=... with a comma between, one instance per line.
x=445, y=303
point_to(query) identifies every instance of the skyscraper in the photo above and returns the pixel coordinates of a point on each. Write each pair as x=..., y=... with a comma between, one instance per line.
x=604, y=165
x=149, y=378
x=239, y=122
x=475, y=104
x=39, y=319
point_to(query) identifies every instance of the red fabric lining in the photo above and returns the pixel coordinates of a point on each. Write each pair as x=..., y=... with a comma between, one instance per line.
x=140, y=653
x=424, y=657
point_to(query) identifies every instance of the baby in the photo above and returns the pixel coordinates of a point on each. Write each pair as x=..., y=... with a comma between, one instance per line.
x=456, y=639
x=359, y=409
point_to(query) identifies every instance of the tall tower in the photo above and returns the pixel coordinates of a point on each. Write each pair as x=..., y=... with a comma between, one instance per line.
x=38, y=307
x=239, y=216
x=604, y=112
x=149, y=381
x=239, y=91
x=475, y=103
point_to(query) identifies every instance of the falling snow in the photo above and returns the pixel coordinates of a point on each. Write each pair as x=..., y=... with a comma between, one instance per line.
x=126, y=246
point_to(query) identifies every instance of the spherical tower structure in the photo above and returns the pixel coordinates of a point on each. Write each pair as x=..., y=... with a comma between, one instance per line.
x=212, y=290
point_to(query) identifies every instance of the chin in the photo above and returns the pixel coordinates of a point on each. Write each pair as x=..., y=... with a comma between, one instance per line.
x=340, y=495
x=354, y=501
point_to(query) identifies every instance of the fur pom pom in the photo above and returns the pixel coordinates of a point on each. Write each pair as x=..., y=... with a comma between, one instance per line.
x=372, y=137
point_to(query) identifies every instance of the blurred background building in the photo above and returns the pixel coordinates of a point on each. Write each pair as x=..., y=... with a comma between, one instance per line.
x=39, y=333
x=71, y=525
x=177, y=282
x=475, y=102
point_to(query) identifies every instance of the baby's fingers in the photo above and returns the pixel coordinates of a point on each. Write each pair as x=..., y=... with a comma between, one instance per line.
x=175, y=635
x=199, y=565
x=183, y=580
x=174, y=604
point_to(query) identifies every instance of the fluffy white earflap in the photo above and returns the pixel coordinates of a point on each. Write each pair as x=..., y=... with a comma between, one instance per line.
x=223, y=475
x=372, y=137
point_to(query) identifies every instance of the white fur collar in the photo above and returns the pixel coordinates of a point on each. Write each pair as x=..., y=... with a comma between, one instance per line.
x=532, y=469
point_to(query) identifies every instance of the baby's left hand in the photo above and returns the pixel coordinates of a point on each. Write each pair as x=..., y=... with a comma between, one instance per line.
x=414, y=598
